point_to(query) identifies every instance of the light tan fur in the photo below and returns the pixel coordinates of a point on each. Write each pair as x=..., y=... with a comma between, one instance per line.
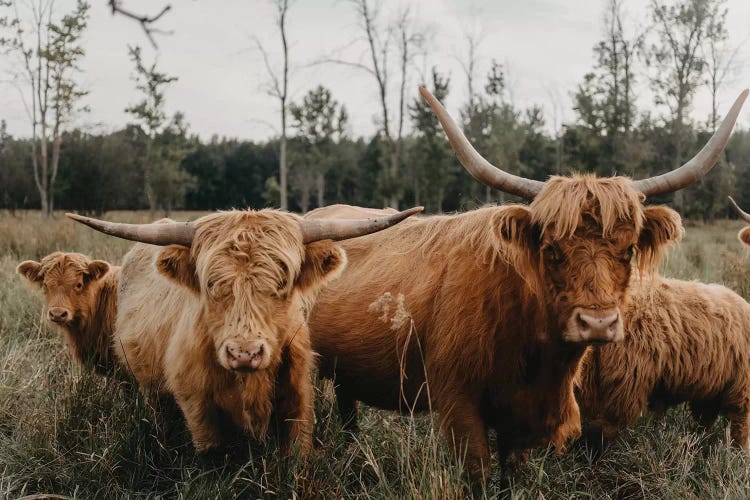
x=341, y=211
x=87, y=291
x=246, y=276
x=489, y=294
x=686, y=342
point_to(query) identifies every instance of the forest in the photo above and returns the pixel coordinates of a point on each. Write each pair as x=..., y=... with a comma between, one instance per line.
x=155, y=162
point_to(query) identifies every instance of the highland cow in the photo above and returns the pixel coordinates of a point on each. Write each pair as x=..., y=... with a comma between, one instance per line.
x=80, y=297
x=495, y=307
x=686, y=342
x=218, y=317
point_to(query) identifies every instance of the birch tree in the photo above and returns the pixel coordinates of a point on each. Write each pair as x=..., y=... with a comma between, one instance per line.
x=50, y=52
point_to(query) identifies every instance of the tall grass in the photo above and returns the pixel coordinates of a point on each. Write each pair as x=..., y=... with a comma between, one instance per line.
x=67, y=432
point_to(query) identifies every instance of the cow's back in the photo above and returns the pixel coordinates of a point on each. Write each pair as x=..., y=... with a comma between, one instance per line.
x=150, y=310
x=411, y=303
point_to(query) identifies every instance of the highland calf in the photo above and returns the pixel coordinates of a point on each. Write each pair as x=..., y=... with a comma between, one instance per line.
x=686, y=342
x=485, y=316
x=218, y=317
x=81, y=300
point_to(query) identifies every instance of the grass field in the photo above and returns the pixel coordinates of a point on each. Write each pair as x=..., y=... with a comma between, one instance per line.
x=64, y=431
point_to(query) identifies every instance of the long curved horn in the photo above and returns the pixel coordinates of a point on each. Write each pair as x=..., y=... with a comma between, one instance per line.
x=342, y=229
x=477, y=166
x=743, y=215
x=700, y=164
x=170, y=233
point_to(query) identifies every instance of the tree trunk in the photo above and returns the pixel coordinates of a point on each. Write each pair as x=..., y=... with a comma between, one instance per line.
x=320, y=182
x=147, y=189
x=392, y=176
x=283, y=201
x=305, y=200
x=56, y=144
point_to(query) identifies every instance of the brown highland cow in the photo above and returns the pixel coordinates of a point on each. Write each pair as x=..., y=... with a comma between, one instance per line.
x=485, y=316
x=218, y=317
x=80, y=297
x=685, y=342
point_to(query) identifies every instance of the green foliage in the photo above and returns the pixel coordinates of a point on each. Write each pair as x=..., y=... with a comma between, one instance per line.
x=320, y=124
x=165, y=182
x=432, y=163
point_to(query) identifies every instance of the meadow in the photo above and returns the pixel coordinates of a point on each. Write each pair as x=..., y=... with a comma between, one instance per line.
x=67, y=432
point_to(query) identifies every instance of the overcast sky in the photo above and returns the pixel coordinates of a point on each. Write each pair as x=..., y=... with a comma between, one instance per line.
x=546, y=46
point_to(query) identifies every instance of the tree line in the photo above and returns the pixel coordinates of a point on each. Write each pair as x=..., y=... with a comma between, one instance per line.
x=156, y=163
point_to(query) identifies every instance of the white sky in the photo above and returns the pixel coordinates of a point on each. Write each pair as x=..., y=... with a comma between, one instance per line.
x=546, y=46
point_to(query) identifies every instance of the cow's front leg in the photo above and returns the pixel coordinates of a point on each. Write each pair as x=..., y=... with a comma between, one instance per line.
x=201, y=416
x=294, y=396
x=462, y=423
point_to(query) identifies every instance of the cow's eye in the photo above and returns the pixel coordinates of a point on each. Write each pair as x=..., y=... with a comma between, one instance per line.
x=284, y=274
x=554, y=254
x=627, y=254
x=79, y=286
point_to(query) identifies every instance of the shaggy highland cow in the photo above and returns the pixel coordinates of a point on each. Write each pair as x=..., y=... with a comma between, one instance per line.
x=685, y=342
x=80, y=297
x=218, y=317
x=492, y=311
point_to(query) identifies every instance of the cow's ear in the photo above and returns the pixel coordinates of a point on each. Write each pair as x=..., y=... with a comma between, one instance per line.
x=513, y=225
x=519, y=241
x=176, y=263
x=744, y=235
x=96, y=269
x=661, y=227
x=324, y=261
x=32, y=271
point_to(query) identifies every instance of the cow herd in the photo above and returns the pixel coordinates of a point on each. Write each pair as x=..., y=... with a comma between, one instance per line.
x=534, y=321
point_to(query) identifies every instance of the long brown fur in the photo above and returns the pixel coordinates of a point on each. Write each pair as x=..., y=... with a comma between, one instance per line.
x=686, y=342
x=247, y=275
x=88, y=290
x=486, y=310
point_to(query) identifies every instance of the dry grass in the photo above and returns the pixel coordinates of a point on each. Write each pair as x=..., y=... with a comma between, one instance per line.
x=67, y=432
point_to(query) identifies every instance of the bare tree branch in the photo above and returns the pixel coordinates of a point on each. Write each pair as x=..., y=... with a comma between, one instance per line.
x=145, y=21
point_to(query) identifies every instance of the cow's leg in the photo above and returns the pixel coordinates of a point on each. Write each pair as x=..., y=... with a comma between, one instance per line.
x=739, y=426
x=201, y=417
x=705, y=411
x=462, y=423
x=294, y=398
x=347, y=406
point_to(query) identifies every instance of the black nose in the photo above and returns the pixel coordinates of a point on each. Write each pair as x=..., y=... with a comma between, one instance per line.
x=58, y=314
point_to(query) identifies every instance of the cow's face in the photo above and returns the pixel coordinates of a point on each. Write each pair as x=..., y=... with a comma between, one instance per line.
x=68, y=281
x=575, y=245
x=254, y=279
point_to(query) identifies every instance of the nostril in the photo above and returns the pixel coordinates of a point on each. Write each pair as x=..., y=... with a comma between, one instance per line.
x=615, y=320
x=582, y=323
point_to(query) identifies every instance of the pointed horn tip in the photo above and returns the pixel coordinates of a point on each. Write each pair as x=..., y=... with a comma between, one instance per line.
x=426, y=94
x=734, y=203
x=75, y=217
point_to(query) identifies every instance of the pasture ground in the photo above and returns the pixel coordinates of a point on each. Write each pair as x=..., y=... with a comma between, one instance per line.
x=64, y=431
